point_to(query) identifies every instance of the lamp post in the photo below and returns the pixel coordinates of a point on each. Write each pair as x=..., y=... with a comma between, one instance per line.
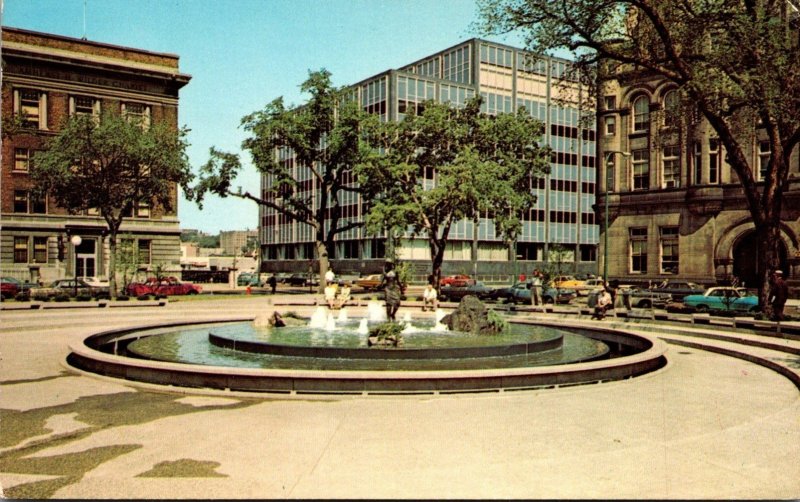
x=609, y=165
x=76, y=241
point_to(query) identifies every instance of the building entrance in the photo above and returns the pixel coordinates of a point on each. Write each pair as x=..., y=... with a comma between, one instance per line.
x=86, y=258
x=745, y=260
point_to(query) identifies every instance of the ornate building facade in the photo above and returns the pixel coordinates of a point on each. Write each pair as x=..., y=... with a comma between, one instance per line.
x=675, y=206
x=48, y=78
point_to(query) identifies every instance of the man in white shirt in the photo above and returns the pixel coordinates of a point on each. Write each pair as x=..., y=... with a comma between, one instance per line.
x=429, y=297
x=603, y=304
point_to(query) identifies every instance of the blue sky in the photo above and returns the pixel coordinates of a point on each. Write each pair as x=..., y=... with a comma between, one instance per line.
x=244, y=53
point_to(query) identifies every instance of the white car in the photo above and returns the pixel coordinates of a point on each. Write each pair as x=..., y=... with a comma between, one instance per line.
x=96, y=282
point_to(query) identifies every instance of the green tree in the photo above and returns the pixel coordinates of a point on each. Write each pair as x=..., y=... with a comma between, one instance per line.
x=112, y=165
x=737, y=63
x=480, y=164
x=323, y=136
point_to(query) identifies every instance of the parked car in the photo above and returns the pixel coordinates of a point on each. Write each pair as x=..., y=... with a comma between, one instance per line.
x=169, y=286
x=593, y=284
x=70, y=288
x=456, y=280
x=724, y=298
x=297, y=280
x=568, y=281
x=248, y=279
x=96, y=281
x=549, y=295
x=456, y=293
x=11, y=286
x=369, y=282
x=636, y=298
x=679, y=289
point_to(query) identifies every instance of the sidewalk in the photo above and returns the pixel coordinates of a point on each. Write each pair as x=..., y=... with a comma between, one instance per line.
x=706, y=426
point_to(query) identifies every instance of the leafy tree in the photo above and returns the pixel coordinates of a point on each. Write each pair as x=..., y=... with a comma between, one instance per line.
x=324, y=137
x=479, y=163
x=112, y=165
x=736, y=62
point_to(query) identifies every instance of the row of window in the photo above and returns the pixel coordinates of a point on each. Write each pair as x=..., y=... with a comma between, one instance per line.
x=638, y=245
x=35, y=249
x=32, y=105
x=26, y=203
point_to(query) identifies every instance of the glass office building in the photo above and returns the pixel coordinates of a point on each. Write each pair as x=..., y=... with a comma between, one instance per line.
x=507, y=79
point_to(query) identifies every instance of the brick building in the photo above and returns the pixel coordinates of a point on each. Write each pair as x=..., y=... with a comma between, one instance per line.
x=48, y=78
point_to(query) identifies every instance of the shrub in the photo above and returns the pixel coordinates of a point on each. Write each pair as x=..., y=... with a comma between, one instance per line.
x=23, y=296
x=61, y=297
x=41, y=297
x=83, y=298
x=143, y=297
x=123, y=298
x=496, y=321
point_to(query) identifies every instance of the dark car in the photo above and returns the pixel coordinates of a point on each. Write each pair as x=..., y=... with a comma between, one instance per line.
x=505, y=293
x=169, y=286
x=11, y=286
x=679, y=289
x=248, y=279
x=637, y=298
x=297, y=280
x=456, y=293
x=550, y=295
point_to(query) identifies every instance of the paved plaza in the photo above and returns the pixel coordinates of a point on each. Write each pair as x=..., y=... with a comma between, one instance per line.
x=705, y=426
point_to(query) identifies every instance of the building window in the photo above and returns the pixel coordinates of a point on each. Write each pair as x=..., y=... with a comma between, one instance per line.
x=84, y=105
x=32, y=105
x=22, y=159
x=38, y=204
x=671, y=161
x=40, y=249
x=588, y=252
x=144, y=251
x=143, y=210
x=638, y=250
x=713, y=161
x=350, y=250
x=697, y=160
x=611, y=125
x=641, y=114
x=20, y=250
x=20, y=201
x=641, y=169
x=764, y=153
x=669, y=250
x=609, y=102
x=138, y=113
x=671, y=109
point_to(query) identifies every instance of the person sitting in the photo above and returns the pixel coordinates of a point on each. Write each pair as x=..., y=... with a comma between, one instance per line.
x=330, y=294
x=603, y=304
x=343, y=297
x=429, y=297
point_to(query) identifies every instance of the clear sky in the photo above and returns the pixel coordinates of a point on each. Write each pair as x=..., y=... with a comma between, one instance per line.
x=242, y=54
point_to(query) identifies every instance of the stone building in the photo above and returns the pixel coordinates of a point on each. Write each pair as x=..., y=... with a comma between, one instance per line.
x=675, y=207
x=48, y=78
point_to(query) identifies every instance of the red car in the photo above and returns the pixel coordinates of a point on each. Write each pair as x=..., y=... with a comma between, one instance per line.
x=457, y=280
x=168, y=286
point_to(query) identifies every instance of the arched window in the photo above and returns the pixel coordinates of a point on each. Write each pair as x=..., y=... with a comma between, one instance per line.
x=641, y=114
x=671, y=108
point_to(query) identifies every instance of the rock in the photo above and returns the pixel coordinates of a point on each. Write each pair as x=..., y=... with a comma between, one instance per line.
x=471, y=316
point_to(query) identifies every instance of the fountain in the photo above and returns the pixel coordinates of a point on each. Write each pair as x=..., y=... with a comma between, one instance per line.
x=330, y=355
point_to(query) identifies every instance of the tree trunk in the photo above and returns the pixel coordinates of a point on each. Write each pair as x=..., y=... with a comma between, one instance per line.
x=768, y=237
x=437, y=258
x=324, y=265
x=112, y=262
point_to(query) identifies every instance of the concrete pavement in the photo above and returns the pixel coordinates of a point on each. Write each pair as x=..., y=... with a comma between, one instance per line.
x=706, y=426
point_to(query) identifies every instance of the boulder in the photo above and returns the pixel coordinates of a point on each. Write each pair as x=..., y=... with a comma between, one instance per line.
x=471, y=316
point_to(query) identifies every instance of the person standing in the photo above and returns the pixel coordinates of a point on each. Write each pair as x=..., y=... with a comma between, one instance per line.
x=536, y=287
x=779, y=293
x=273, y=283
x=391, y=289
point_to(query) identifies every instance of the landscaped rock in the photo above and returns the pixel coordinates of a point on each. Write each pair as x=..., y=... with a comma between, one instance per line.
x=472, y=316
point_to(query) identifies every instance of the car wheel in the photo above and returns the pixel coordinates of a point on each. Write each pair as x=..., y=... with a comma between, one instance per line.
x=191, y=292
x=755, y=310
x=702, y=308
x=548, y=300
x=645, y=304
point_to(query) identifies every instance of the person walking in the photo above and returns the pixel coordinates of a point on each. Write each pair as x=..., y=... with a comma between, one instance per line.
x=779, y=293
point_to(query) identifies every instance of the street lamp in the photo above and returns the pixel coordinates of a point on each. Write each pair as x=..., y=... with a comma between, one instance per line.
x=609, y=165
x=76, y=241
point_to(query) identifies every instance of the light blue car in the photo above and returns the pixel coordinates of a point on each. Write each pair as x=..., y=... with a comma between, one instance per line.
x=723, y=298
